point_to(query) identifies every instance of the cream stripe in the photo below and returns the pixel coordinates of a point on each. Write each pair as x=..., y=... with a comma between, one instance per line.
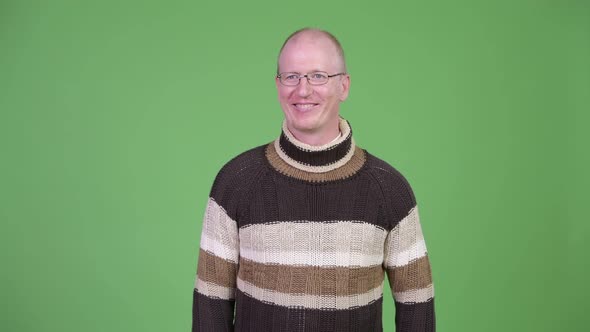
x=214, y=291
x=315, y=169
x=343, y=243
x=415, y=295
x=310, y=301
x=408, y=231
x=219, y=249
x=309, y=258
x=405, y=242
x=220, y=233
x=418, y=250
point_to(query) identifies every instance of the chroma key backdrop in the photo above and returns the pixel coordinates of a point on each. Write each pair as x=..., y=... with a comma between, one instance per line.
x=115, y=117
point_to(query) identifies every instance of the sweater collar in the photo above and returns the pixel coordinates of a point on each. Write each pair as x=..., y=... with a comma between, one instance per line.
x=316, y=159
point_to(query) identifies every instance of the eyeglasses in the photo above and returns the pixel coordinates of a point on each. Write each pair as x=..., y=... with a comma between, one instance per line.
x=314, y=78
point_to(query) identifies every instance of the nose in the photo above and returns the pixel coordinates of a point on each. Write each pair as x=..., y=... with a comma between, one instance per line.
x=304, y=89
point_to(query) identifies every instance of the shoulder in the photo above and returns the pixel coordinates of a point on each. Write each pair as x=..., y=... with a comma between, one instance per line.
x=397, y=192
x=385, y=172
x=242, y=164
x=234, y=178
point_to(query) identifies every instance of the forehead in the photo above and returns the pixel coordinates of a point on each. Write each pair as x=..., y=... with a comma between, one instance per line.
x=308, y=53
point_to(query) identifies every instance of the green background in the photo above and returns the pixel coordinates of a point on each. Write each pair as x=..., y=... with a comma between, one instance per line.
x=117, y=115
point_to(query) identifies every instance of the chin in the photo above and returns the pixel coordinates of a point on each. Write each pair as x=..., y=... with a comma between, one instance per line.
x=302, y=127
x=305, y=124
x=305, y=120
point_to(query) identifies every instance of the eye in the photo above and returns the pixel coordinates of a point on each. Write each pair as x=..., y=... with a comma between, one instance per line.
x=318, y=76
x=291, y=76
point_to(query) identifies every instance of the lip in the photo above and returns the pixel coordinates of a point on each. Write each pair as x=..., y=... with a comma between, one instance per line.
x=304, y=107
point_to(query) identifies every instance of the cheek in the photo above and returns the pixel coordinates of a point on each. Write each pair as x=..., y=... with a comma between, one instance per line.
x=329, y=96
x=284, y=94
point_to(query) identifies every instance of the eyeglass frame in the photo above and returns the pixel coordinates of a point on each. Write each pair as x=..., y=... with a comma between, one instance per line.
x=307, y=76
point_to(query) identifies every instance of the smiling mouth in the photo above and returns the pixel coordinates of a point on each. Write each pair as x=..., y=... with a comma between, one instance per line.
x=305, y=106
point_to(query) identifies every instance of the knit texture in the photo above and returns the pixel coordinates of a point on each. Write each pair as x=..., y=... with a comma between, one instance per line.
x=299, y=238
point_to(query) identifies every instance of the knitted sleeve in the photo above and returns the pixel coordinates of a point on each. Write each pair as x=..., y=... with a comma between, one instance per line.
x=408, y=270
x=215, y=284
x=219, y=252
x=405, y=257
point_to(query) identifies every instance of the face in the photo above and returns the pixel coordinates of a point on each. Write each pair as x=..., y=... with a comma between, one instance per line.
x=312, y=110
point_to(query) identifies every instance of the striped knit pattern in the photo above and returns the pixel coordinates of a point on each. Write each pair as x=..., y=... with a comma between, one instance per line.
x=300, y=238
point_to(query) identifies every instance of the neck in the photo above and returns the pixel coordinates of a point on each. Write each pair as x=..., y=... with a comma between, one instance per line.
x=317, y=139
x=316, y=158
x=333, y=161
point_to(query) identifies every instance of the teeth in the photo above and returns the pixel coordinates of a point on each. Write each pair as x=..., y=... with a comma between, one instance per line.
x=304, y=106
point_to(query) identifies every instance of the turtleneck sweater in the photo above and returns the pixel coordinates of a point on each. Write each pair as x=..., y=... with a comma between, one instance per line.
x=299, y=238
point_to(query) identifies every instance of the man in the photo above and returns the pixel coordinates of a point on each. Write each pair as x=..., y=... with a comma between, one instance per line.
x=299, y=233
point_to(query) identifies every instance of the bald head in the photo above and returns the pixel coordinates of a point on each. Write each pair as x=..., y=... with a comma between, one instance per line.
x=315, y=36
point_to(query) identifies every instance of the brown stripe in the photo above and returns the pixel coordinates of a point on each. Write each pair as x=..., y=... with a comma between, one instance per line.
x=311, y=280
x=213, y=269
x=350, y=168
x=415, y=275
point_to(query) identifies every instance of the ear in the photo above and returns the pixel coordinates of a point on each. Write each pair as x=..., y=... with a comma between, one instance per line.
x=344, y=86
